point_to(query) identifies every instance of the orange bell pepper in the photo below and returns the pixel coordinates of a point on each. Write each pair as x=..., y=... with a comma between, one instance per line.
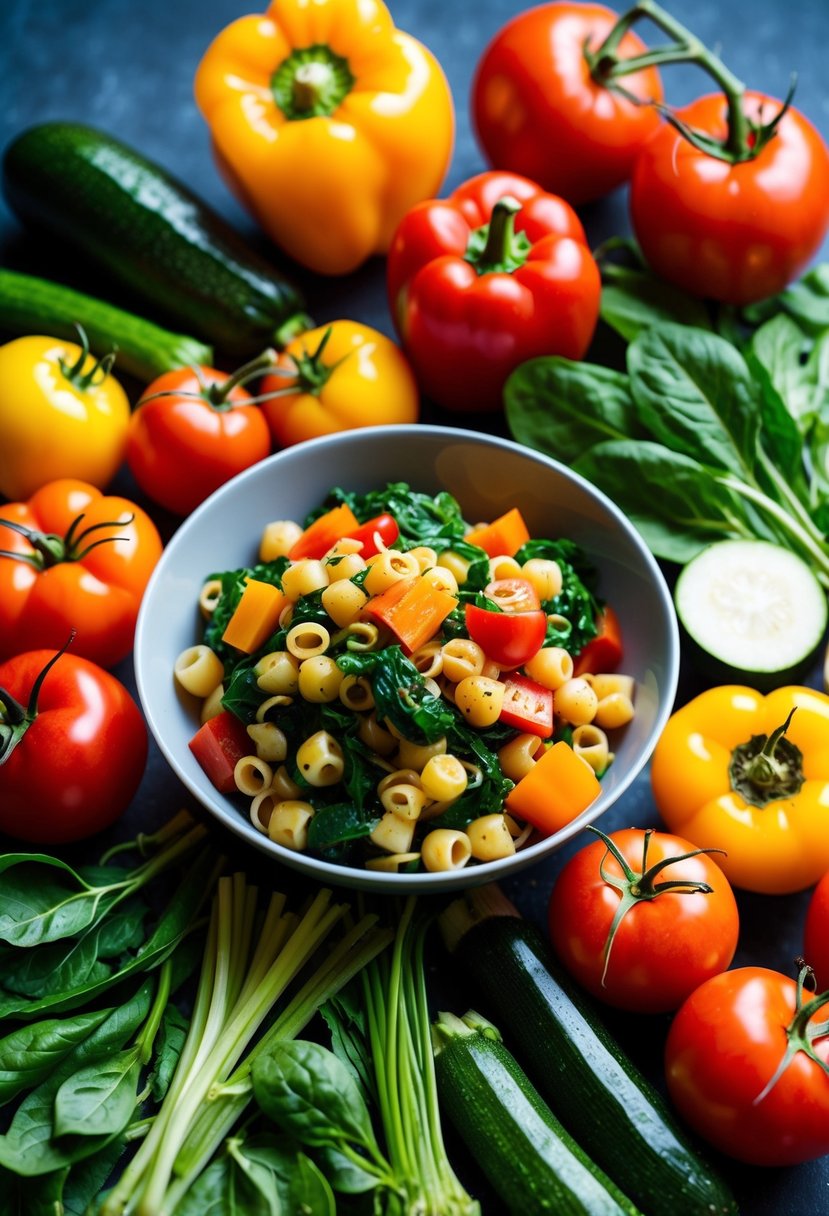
x=556, y=789
x=329, y=123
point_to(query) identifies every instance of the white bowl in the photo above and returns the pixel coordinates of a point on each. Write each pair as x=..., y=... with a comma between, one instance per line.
x=487, y=476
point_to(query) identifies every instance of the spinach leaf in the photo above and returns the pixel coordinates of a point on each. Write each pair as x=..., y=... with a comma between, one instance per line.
x=42, y=899
x=806, y=301
x=339, y=822
x=172, y=926
x=56, y=967
x=30, y=1053
x=30, y=1147
x=32, y=1196
x=400, y=693
x=694, y=393
x=99, y=1099
x=418, y=515
x=781, y=350
x=310, y=1094
x=633, y=299
x=562, y=408
x=232, y=1186
x=299, y=1184
x=693, y=507
x=167, y=1048
x=86, y=1179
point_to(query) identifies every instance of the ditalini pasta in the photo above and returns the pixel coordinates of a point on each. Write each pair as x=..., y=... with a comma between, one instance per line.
x=411, y=697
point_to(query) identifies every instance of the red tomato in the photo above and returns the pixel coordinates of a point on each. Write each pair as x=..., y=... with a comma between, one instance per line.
x=816, y=933
x=185, y=444
x=74, y=559
x=732, y=232
x=384, y=525
x=666, y=943
x=725, y=1047
x=538, y=111
x=70, y=764
x=527, y=706
x=510, y=639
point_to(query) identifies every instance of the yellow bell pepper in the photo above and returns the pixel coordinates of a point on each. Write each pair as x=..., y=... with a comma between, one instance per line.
x=329, y=123
x=749, y=774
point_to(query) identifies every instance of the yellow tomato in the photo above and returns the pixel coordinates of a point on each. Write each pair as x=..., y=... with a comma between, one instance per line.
x=749, y=774
x=61, y=415
x=335, y=378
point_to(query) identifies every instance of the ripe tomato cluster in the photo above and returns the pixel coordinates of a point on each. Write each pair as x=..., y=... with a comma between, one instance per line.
x=645, y=921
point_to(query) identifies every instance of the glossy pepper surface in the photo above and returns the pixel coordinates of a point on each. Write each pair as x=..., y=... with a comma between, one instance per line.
x=497, y=273
x=329, y=123
x=749, y=774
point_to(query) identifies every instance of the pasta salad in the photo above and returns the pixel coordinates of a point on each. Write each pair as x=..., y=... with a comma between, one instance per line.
x=390, y=687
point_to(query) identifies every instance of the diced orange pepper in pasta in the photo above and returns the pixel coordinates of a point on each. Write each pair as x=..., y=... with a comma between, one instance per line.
x=320, y=535
x=255, y=617
x=413, y=609
x=505, y=535
x=557, y=788
x=604, y=652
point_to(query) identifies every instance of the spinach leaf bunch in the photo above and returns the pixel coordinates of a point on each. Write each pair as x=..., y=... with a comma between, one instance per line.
x=703, y=437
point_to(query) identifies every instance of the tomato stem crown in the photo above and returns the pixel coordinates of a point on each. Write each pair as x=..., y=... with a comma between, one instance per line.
x=745, y=138
x=639, y=887
x=800, y=1032
x=49, y=549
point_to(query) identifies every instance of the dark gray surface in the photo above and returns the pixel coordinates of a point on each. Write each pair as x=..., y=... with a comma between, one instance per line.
x=127, y=67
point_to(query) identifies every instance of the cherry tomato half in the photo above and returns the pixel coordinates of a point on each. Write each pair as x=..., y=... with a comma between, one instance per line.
x=510, y=639
x=665, y=944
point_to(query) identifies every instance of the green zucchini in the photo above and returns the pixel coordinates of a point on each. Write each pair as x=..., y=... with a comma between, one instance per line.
x=29, y=305
x=528, y=1157
x=754, y=612
x=150, y=234
x=599, y=1094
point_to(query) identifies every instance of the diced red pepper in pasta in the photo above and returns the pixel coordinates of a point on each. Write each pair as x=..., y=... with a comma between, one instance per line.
x=413, y=609
x=603, y=652
x=325, y=531
x=528, y=706
x=555, y=791
x=218, y=745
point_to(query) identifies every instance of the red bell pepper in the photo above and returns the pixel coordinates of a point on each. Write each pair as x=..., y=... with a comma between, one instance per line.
x=218, y=745
x=528, y=706
x=498, y=273
x=604, y=652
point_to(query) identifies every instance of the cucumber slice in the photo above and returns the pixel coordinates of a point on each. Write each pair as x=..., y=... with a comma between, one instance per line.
x=755, y=611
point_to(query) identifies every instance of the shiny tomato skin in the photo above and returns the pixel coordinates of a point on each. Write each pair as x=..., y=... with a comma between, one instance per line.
x=180, y=448
x=510, y=639
x=384, y=525
x=734, y=233
x=97, y=594
x=816, y=933
x=537, y=111
x=663, y=947
x=80, y=761
x=723, y=1048
x=513, y=594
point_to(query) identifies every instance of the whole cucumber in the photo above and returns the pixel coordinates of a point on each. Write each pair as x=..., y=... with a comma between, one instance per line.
x=150, y=234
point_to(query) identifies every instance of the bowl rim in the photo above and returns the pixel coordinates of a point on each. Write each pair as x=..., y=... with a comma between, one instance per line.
x=329, y=872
